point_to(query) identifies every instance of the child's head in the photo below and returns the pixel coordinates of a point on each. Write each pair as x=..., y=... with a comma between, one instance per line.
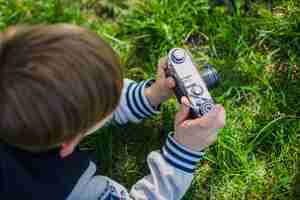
x=57, y=81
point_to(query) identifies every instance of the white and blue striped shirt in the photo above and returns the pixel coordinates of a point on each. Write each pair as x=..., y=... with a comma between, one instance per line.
x=171, y=169
x=133, y=106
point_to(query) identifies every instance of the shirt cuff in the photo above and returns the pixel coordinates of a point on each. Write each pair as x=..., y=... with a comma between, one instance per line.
x=149, y=82
x=137, y=102
x=179, y=156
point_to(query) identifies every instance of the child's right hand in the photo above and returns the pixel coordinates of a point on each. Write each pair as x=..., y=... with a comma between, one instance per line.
x=197, y=134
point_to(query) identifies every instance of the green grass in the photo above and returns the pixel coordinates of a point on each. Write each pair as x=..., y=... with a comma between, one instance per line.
x=258, y=56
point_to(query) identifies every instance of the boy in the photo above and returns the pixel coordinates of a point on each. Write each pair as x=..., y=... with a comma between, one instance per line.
x=60, y=83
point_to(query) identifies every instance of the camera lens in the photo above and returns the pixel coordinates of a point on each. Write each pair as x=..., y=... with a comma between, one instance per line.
x=210, y=76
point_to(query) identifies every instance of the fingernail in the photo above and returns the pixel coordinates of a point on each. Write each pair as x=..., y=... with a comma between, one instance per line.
x=185, y=101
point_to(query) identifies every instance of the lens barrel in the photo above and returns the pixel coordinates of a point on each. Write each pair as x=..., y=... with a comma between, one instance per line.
x=210, y=76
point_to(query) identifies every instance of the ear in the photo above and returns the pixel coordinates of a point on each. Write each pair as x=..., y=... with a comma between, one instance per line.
x=68, y=147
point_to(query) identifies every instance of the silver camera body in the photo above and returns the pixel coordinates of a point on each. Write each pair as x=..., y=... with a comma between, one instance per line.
x=190, y=82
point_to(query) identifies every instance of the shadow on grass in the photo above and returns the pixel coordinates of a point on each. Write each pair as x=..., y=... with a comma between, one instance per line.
x=121, y=152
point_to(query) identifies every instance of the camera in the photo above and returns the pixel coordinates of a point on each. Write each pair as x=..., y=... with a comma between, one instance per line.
x=190, y=82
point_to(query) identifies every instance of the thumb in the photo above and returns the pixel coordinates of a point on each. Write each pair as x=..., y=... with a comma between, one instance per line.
x=184, y=110
x=214, y=119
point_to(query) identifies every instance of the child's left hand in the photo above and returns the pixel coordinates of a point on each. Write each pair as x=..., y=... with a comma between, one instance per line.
x=162, y=89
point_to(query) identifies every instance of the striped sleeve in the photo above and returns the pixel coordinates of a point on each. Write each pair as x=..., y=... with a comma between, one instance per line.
x=134, y=106
x=171, y=172
x=169, y=178
x=179, y=156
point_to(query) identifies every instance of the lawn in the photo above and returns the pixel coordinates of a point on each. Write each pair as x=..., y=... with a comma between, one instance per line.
x=255, y=48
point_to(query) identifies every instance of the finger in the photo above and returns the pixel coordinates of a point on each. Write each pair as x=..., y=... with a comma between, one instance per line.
x=183, y=113
x=163, y=62
x=221, y=118
x=185, y=100
x=220, y=122
x=170, y=82
x=209, y=120
x=161, y=68
x=217, y=119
